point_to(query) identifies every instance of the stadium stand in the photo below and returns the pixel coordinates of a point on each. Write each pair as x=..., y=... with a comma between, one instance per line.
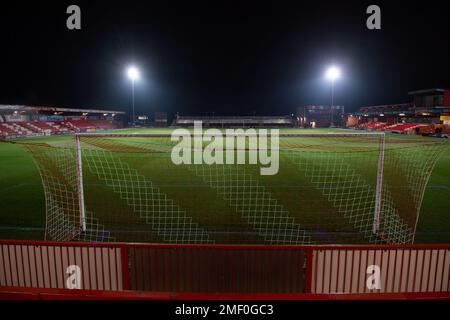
x=83, y=125
x=19, y=129
x=245, y=121
x=7, y=131
x=395, y=128
x=426, y=129
x=15, y=129
x=39, y=127
x=403, y=127
x=427, y=113
x=49, y=127
x=446, y=129
x=373, y=125
x=35, y=128
x=320, y=116
x=20, y=121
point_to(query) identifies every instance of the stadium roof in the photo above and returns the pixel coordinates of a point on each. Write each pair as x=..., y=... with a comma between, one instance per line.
x=232, y=117
x=55, y=109
x=435, y=90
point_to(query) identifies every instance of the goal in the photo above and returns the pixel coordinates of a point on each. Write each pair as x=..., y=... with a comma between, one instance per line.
x=328, y=188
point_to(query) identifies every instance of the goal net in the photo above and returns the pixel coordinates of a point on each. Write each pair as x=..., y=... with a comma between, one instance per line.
x=328, y=188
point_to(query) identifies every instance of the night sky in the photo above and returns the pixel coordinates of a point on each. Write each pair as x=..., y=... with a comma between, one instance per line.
x=227, y=58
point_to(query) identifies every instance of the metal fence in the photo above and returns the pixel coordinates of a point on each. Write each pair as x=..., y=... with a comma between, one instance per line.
x=248, y=269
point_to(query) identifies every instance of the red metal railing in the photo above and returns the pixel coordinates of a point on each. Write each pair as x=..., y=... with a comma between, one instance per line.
x=228, y=270
x=213, y=269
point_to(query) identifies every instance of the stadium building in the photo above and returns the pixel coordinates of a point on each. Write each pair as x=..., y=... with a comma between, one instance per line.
x=427, y=112
x=20, y=120
x=320, y=116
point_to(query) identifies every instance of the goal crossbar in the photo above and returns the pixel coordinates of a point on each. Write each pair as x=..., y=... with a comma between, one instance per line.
x=281, y=135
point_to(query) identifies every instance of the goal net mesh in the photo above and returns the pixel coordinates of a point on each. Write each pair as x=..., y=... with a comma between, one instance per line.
x=326, y=190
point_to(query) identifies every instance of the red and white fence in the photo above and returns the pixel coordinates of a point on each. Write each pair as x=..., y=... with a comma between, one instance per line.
x=228, y=270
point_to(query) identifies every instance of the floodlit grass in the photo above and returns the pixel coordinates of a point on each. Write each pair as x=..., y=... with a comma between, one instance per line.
x=22, y=213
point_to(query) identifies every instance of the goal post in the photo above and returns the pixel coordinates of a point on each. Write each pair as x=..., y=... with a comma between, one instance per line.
x=288, y=188
x=79, y=165
x=379, y=188
x=379, y=170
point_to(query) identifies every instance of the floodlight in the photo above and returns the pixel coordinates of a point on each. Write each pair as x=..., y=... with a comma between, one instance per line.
x=133, y=73
x=333, y=73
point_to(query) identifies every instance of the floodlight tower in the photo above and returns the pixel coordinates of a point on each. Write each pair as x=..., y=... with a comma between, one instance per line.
x=332, y=74
x=133, y=74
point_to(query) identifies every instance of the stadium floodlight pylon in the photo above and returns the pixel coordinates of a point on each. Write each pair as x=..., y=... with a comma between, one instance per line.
x=330, y=188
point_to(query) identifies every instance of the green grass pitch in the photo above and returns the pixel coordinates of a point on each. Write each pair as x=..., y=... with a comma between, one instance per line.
x=22, y=209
